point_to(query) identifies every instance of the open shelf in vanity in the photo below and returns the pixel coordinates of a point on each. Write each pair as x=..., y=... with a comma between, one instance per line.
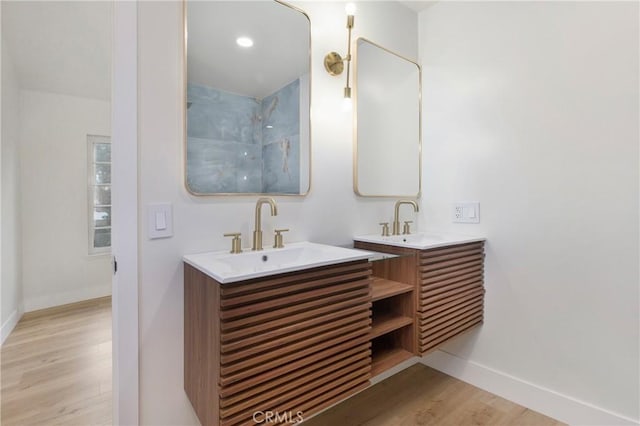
x=441, y=288
x=392, y=313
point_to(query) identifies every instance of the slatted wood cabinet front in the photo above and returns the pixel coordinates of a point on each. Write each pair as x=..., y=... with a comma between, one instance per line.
x=451, y=294
x=449, y=298
x=290, y=343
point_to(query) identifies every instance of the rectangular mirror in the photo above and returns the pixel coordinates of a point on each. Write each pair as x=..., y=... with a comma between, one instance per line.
x=388, y=150
x=247, y=106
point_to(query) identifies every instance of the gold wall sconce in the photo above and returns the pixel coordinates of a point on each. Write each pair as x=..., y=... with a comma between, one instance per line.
x=334, y=62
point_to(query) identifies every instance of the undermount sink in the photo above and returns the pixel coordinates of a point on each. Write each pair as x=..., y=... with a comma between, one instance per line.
x=420, y=240
x=227, y=268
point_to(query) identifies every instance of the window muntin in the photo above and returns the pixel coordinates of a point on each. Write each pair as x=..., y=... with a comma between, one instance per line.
x=99, y=168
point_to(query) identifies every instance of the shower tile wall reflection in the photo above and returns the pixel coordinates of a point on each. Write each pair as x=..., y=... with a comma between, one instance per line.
x=239, y=144
x=281, y=140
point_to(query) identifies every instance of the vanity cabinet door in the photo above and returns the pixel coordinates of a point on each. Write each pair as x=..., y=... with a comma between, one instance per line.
x=294, y=344
x=451, y=292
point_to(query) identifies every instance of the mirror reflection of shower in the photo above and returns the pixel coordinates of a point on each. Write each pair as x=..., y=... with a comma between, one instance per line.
x=248, y=114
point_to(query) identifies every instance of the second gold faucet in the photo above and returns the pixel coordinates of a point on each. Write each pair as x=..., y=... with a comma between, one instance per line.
x=396, y=217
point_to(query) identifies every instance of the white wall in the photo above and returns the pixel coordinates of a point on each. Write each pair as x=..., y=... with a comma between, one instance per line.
x=331, y=213
x=53, y=149
x=11, y=308
x=532, y=109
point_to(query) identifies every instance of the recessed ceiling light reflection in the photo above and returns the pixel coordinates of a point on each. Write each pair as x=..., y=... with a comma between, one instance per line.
x=244, y=42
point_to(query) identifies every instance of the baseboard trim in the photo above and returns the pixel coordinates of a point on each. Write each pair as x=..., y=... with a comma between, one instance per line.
x=548, y=402
x=9, y=325
x=51, y=300
x=55, y=310
x=394, y=370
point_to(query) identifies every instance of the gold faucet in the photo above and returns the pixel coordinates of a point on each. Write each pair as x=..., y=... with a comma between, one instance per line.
x=257, y=233
x=396, y=218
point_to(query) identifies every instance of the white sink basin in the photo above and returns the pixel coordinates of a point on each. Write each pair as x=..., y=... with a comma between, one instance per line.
x=225, y=267
x=420, y=240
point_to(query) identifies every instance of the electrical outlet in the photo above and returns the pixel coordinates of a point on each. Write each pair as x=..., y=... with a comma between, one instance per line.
x=458, y=211
x=467, y=212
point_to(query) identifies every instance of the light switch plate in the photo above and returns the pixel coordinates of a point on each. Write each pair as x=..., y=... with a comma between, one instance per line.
x=160, y=221
x=466, y=212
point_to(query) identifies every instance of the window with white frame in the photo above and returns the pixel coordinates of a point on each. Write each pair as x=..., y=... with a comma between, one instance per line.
x=99, y=167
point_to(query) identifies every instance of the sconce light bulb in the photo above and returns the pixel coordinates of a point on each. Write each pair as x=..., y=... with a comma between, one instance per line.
x=347, y=104
x=350, y=8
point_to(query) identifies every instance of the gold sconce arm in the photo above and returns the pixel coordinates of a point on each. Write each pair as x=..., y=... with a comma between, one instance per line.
x=334, y=62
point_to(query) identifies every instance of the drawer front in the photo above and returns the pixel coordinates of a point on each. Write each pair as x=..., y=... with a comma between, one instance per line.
x=451, y=293
x=294, y=343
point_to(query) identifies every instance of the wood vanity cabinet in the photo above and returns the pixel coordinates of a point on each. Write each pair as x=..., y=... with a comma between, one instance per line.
x=448, y=298
x=451, y=293
x=302, y=341
x=288, y=343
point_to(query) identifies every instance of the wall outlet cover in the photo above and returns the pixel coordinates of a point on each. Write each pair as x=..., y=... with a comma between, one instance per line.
x=466, y=212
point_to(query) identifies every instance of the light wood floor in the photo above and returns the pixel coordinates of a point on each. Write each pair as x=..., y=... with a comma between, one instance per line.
x=56, y=367
x=421, y=396
x=56, y=370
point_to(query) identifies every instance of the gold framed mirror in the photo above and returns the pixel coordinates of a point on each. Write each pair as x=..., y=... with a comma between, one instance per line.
x=247, y=98
x=387, y=123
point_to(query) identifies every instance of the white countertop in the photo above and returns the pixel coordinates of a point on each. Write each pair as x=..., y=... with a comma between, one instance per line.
x=420, y=240
x=225, y=267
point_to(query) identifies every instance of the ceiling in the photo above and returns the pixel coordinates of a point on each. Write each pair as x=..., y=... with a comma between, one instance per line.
x=417, y=5
x=60, y=46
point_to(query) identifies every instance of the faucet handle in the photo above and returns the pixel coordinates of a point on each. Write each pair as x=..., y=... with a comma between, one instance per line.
x=236, y=242
x=406, y=230
x=385, y=229
x=278, y=240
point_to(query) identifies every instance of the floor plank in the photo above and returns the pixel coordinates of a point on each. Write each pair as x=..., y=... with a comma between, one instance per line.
x=56, y=367
x=421, y=396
